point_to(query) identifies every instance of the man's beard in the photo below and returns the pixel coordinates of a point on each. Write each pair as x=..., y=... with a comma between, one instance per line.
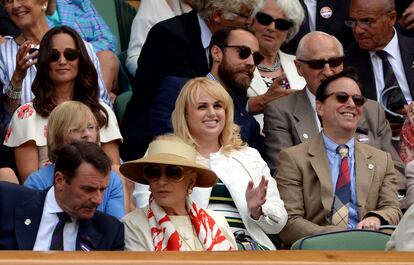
x=233, y=79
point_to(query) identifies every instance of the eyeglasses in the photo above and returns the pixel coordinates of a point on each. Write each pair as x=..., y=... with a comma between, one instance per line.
x=342, y=97
x=89, y=128
x=245, y=52
x=280, y=23
x=364, y=23
x=246, y=21
x=153, y=172
x=69, y=54
x=319, y=64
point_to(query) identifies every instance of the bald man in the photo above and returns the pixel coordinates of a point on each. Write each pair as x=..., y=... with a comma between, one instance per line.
x=292, y=120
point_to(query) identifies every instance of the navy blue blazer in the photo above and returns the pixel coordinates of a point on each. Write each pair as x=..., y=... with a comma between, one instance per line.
x=360, y=60
x=21, y=212
x=333, y=25
x=173, y=47
x=164, y=103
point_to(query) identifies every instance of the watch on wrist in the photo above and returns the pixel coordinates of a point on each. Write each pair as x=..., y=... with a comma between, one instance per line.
x=13, y=92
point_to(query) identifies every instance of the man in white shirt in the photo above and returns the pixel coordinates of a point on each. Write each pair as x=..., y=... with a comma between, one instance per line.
x=380, y=51
x=63, y=217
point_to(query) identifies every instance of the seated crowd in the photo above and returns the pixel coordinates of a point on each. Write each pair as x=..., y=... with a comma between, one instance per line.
x=252, y=124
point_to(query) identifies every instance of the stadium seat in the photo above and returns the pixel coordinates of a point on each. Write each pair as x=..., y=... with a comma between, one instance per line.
x=343, y=240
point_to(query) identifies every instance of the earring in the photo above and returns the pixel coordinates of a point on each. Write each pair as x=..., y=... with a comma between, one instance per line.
x=44, y=7
x=149, y=188
x=189, y=191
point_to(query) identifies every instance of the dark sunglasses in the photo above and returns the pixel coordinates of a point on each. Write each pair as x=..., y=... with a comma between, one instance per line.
x=280, y=23
x=245, y=52
x=69, y=54
x=172, y=172
x=319, y=64
x=342, y=97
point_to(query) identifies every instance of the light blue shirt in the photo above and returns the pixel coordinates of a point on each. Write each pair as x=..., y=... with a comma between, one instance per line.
x=334, y=160
x=112, y=201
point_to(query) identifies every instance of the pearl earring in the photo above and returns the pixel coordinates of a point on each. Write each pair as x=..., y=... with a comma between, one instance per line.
x=189, y=191
x=44, y=7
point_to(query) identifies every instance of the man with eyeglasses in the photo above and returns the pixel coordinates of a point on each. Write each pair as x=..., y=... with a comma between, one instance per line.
x=233, y=56
x=292, y=120
x=333, y=182
x=382, y=57
x=175, y=47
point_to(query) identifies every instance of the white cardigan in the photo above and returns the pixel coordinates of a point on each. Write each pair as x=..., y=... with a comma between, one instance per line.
x=235, y=171
x=258, y=86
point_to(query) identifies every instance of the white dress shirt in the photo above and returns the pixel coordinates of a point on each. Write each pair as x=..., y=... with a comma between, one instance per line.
x=205, y=36
x=48, y=223
x=311, y=7
x=394, y=57
x=312, y=100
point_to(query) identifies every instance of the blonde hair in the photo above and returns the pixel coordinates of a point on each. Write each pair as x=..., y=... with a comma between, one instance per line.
x=229, y=138
x=62, y=119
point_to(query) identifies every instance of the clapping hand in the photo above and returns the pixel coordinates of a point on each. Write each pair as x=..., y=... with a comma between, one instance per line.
x=256, y=197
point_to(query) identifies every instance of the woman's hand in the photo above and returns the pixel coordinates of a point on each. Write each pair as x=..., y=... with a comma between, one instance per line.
x=256, y=197
x=24, y=60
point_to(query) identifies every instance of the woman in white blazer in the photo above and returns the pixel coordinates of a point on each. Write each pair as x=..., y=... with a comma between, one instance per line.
x=246, y=194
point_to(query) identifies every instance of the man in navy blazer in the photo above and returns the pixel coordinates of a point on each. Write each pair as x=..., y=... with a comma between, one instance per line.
x=372, y=24
x=29, y=217
x=175, y=47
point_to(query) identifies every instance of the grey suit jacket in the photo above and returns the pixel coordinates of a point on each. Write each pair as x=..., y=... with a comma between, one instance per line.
x=305, y=185
x=291, y=120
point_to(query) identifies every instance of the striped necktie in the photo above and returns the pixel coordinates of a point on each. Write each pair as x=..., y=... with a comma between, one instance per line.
x=340, y=206
x=57, y=236
x=394, y=99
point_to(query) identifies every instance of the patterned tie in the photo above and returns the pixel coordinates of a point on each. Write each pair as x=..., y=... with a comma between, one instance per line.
x=395, y=99
x=57, y=236
x=340, y=206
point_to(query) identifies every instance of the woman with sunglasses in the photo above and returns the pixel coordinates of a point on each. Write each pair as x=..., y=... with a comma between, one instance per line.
x=276, y=22
x=18, y=55
x=74, y=121
x=64, y=72
x=172, y=220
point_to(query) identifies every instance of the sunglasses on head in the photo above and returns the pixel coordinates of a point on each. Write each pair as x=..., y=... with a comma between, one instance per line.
x=280, y=23
x=69, y=54
x=172, y=172
x=319, y=64
x=342, y=97
x=245, y=52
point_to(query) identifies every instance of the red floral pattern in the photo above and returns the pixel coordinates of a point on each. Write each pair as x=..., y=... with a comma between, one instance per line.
x=25, y=111
x=9, y=130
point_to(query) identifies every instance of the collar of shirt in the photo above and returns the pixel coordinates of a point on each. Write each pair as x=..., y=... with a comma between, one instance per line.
x=392, y=47
x=331, y=146
x=211, y=76
x=205, y=35
x=312, y=100
x=51, y=205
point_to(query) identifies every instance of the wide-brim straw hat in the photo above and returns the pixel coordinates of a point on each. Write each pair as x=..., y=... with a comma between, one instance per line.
x=169, y=152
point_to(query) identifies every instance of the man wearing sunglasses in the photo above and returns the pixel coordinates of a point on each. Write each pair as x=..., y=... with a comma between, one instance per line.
x=292, y=120
x=233, y=55
x=175, y=47
x=333, y=182
x=382, y=57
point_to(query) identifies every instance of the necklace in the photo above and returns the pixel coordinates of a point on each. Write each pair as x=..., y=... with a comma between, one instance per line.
x=276, y=66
